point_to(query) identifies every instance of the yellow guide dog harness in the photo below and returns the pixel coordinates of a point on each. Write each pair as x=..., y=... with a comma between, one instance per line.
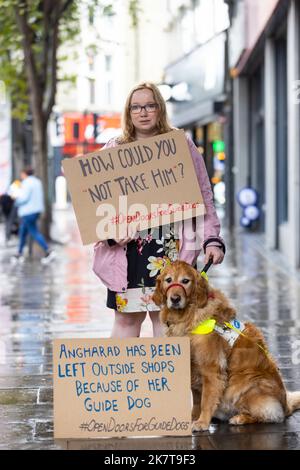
x=230, y=331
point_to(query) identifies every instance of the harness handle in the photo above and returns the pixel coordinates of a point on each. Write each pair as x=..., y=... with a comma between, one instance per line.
x=207, y=266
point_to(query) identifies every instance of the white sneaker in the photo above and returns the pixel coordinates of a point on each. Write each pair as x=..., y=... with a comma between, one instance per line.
x=17, y=259
x=49, y=257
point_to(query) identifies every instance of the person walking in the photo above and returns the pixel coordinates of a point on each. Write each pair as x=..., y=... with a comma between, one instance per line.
x=30, y=204
x=128, y=267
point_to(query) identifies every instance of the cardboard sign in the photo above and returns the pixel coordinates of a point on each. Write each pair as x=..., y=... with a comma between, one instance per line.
x=125, y=387
x=147, y=183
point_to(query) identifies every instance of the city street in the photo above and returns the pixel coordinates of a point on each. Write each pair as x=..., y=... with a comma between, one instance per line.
x=65, y=299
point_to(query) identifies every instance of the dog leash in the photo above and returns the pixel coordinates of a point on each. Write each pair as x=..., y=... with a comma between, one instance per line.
x=206, y=268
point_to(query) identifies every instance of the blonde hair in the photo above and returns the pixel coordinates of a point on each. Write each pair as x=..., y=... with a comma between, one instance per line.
x=163, y=124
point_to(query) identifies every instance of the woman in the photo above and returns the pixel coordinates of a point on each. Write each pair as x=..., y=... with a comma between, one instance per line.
x=129, y=267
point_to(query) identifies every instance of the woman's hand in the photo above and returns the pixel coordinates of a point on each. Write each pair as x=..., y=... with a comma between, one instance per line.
x=215, y=253
x=124, y=241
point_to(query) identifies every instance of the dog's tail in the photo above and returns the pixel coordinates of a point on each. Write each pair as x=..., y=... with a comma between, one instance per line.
x=293, y=401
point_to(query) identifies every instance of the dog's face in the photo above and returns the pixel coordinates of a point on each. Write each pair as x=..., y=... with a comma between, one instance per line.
x=180, y=285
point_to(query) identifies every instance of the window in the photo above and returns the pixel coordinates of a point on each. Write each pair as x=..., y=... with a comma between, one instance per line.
x=91, y=62
x=281, y=130
x=109, y=92
x=91, y=15
x=211, y=17
x=108, y=61
x=92, y=90
x=76, y=130
x=187, y=31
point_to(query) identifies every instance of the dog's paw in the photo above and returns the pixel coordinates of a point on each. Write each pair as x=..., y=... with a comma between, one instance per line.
x=198, y=426
x=242, y=419
x=235, y=420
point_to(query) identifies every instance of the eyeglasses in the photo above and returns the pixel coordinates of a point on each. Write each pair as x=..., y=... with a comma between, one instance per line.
x=149, y=108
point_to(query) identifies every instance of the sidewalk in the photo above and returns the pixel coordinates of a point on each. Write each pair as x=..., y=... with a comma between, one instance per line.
x=65, y=299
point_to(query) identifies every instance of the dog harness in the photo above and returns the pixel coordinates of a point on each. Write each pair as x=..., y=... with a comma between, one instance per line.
x=230, y=331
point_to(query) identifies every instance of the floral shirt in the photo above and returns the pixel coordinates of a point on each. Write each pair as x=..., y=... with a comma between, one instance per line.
x=147, y=256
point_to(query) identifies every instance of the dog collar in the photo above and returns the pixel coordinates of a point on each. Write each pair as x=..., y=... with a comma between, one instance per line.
x=176, y=284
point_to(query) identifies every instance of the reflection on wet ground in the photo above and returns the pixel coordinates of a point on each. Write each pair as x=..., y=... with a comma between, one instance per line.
x=39, y=303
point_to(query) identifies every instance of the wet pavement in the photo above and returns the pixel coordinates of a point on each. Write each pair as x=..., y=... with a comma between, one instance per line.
x=65, y=299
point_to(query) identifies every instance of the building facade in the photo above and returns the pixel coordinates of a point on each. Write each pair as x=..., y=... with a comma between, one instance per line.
x=196, y=77
x=121, y=43
x=88, y=107
x=264, y=63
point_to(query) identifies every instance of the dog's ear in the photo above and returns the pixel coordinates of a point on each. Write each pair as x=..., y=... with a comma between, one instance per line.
x=158, y=296
x=201, y=291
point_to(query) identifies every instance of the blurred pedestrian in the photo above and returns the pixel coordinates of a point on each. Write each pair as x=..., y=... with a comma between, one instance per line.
x=12, y=221
x=30, y=204
x=129, y=267
x=14, y=189
x=9, y=210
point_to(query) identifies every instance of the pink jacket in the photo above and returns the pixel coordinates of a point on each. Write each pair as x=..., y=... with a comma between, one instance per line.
x=110, y=262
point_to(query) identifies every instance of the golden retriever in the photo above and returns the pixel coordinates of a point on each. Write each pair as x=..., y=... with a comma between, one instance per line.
x=239, y=382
